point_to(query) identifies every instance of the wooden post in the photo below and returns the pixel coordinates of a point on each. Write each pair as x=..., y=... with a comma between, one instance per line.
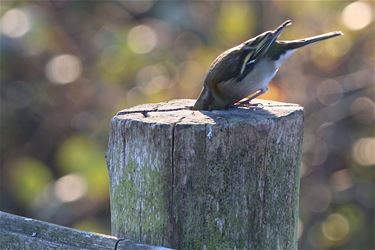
x=206, y=180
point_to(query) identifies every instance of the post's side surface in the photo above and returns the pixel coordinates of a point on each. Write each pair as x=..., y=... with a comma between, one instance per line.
x=192, y=180
x=139, y=162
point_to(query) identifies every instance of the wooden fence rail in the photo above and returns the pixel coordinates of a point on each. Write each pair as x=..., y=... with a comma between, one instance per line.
x=20, y=233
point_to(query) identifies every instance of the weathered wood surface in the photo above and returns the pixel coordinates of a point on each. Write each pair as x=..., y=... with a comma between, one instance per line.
x=206, y=180
x=18, y=232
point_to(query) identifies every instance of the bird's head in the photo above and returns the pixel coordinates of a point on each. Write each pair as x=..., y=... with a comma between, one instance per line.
x=273, y=35
x=262, y=42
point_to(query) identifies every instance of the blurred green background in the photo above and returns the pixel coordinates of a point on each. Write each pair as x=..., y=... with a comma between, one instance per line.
x=68, y=66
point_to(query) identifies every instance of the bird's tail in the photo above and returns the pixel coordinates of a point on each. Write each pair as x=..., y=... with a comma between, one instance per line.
x=309, y=40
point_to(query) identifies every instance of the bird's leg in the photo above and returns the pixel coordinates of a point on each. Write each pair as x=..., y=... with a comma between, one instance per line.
x=248, y=100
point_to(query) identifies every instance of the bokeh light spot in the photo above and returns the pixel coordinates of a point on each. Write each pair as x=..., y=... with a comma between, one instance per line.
x=335, y=227
x=363, y=151
x=152, y=79
x=70, y=188
x=15, y=23
x=142, y=39
x=82, y=155
x=341, y=180
x=329, y=92
x=354, y=214
x=363, y=110
x=357, y=15
x=63, y=69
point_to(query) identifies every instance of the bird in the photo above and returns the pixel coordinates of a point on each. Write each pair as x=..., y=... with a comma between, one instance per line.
x=245, y=70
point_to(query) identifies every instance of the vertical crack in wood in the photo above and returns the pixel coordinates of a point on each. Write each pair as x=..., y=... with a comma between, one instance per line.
x=171, y=204
x=140, y=210
x=142, y=195
x=123, y=225
x=140, y=222
x=174, y=235
x=263, y=177
x=123, y=135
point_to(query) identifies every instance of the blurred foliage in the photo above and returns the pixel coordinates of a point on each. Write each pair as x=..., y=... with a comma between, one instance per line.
x=28, y=178
x=80, y=155
x=68, y=66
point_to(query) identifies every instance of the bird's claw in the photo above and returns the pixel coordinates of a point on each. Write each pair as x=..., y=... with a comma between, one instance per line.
x=248, y=104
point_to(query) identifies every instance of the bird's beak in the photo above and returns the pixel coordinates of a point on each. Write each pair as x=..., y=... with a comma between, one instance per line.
x=272, y=36
x=279, y=29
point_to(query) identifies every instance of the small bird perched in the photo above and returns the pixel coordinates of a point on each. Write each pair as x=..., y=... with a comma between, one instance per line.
x=245, y=70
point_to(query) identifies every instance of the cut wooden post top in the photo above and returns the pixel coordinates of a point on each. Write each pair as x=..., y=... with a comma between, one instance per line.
x=180, y=110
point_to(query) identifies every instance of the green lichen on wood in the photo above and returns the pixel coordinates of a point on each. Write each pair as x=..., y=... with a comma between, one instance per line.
x=140, y=210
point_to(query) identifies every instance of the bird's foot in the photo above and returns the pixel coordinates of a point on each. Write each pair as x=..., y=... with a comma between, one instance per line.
x=248, y=104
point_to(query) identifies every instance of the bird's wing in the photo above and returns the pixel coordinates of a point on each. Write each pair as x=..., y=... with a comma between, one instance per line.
x=234, y=64
x=238, y=61
x=224, y=69
x=254, y=50
x=225, y=66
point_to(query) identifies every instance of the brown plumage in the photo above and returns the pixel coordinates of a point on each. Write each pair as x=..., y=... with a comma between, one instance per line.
x=246, y=69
